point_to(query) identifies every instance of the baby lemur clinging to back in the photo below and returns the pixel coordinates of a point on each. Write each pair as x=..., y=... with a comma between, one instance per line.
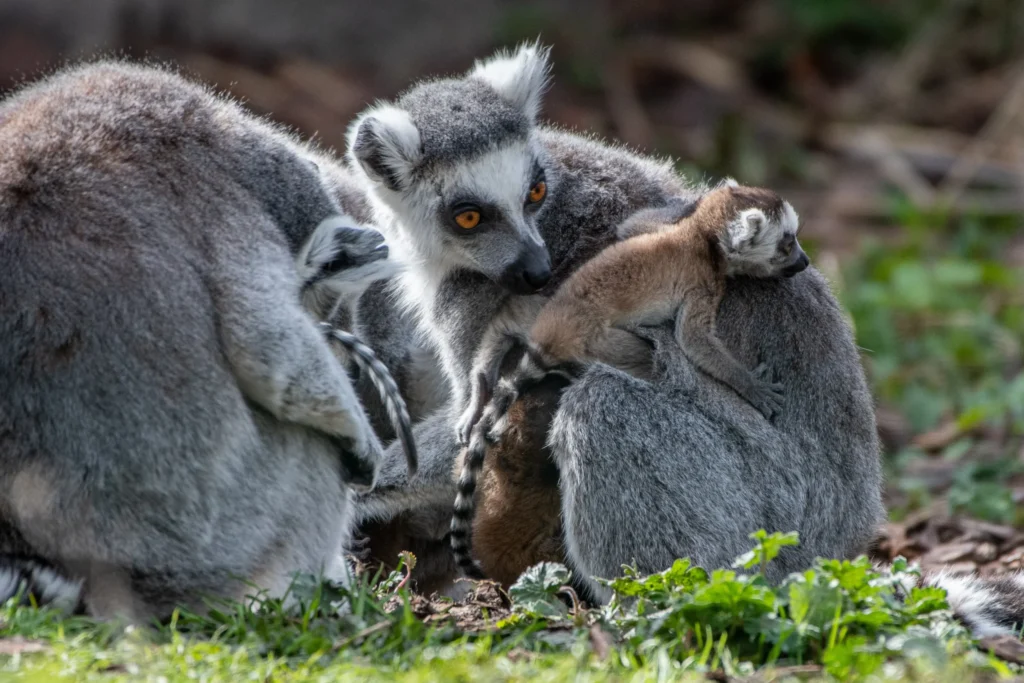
x=672, y=262
x=670, y=255
x=676, y=268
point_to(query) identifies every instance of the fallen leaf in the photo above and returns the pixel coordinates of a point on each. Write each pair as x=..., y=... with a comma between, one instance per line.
x=937, y=439
x=1005, y=647
x=985, y=552
x=18, y=646
x=944, y=554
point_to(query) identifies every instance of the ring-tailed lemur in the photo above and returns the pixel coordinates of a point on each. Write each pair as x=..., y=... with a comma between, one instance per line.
x=672, y=265
x=649, y=471
x=471, y=145
x=173, y=422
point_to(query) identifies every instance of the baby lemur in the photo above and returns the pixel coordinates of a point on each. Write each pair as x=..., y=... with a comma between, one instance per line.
x=673, y=261
x=676, y=268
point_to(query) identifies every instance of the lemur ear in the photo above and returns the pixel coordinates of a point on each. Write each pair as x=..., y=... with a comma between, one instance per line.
x=519, y=77
x=745, y=228
x=385, y=143
x=729, y=182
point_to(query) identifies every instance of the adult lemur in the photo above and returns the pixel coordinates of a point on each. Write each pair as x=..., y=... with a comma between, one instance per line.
x=649, y=471
x=172, y=420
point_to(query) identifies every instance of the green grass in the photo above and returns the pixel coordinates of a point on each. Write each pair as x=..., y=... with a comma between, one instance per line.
x=837, y=619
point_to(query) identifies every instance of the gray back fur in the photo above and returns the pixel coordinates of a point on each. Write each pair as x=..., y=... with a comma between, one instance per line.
x=171, y=420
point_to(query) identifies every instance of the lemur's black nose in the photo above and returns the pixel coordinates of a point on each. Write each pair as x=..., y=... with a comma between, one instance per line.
x=798, y=266
x=529, y=272
x=538, y=275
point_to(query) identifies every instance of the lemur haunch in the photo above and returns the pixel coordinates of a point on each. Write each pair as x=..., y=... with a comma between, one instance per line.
x=173, y=422
x=673, y=263
x=516, y=522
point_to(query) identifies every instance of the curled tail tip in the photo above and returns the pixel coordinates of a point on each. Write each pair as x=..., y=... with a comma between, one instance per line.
x=412, y=465
x=412, y=456
x=474, y=572
x=470, y=568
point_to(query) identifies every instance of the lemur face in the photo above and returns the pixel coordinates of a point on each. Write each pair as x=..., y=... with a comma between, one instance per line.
x=457, y=163
x=485, y=212
x=761, y=241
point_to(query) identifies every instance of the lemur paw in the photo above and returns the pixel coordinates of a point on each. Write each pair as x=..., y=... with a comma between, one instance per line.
x=765, y=394
x=359, y=547
x=464, y=427
x=347, y=256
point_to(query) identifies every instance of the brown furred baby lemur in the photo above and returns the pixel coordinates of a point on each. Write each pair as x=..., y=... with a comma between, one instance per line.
x=664, y=270
x=673, y=262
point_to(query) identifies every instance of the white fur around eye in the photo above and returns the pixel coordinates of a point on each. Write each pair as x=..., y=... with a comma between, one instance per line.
x=790, y=219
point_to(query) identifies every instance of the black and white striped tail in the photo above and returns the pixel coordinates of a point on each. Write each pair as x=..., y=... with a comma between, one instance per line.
x=34, y=582
x=368, y=362
x=464, y=510
x=988, y=606
x=532, y=370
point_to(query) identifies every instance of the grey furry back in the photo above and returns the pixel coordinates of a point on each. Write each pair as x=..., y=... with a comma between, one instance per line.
x=705, y=469
x=148, y=305
x=599, y=186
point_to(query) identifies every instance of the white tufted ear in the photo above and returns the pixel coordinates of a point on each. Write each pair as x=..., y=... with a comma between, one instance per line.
x=729, y=182
x=520, y=77
x=385, y=144
x=745, y=228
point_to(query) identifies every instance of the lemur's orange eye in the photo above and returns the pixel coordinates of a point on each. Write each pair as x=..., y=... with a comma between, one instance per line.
x=538, y=191
x=468, y=219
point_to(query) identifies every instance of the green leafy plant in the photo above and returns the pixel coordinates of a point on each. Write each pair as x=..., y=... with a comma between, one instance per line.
x=536, y=592
x=941, y=323
x=842, y=616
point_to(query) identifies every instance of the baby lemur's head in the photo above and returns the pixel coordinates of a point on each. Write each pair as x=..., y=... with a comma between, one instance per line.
x=458, y=163
x=759, y=235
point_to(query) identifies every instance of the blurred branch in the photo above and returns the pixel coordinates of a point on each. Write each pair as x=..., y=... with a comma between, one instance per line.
x=998, y=130
x=903, y=80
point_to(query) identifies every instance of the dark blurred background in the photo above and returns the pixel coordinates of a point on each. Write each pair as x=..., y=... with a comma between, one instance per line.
x=896, y=128
x=838, y=101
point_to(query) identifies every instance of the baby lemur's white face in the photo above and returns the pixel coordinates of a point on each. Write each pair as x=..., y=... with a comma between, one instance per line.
x=763, y=243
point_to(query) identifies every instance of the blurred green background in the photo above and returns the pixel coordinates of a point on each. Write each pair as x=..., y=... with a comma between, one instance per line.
x=895, y=127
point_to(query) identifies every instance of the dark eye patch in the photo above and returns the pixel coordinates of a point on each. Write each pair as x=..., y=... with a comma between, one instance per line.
x=340, y=262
